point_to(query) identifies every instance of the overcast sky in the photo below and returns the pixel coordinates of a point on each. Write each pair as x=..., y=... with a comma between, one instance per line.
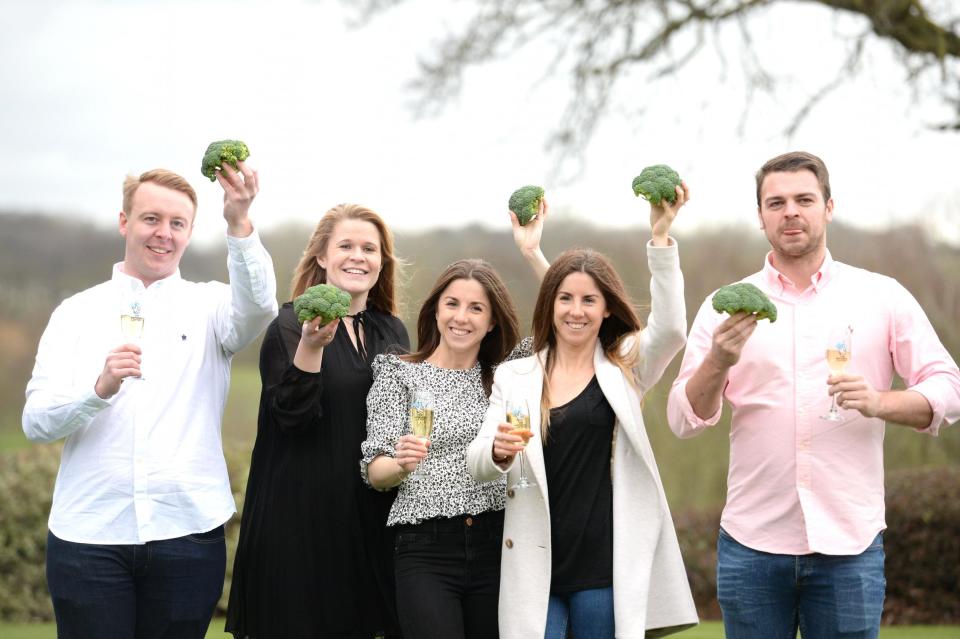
x=91, y=91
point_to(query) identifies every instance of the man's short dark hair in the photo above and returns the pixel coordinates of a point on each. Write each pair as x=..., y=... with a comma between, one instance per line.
x=793, y=162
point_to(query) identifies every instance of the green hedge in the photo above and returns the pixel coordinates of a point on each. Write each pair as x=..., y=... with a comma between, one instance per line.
x=922, y=541
x=922, y=546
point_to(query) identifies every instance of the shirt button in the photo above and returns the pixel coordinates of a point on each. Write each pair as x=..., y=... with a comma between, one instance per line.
x=511, y=493
x=469, y=521
x=508, y=543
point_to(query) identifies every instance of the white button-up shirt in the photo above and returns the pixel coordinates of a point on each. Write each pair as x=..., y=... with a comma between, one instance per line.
x=147, y=463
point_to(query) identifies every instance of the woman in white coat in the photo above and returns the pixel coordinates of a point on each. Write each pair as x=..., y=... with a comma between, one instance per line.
x=591, y=546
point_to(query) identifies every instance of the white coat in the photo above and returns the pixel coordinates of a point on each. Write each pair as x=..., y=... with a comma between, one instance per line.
x=650, y=589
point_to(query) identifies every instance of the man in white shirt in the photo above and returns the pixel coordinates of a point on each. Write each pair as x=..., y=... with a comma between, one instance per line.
x=135, y=546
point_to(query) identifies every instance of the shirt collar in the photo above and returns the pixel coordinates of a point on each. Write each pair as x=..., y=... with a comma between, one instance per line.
x=777, y=281
x=130, y=284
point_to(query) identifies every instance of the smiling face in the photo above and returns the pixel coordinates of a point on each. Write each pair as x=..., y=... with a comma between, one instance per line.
x=579, y=309
x=157, y=230
x=794, y=215
x=353, y=257
x=464, y=316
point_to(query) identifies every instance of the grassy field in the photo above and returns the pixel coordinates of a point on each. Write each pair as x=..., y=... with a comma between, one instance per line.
x=706, y=630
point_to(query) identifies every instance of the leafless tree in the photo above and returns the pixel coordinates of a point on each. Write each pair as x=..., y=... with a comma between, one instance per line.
x=600, y=41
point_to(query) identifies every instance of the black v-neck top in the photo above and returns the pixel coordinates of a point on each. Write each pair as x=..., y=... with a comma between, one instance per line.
x=577, y=461
x=314, y=557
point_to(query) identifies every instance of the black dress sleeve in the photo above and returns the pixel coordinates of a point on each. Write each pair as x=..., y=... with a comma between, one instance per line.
x=291, y=397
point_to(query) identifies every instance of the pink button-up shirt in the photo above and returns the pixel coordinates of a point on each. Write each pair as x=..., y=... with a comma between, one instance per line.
x=798, y=484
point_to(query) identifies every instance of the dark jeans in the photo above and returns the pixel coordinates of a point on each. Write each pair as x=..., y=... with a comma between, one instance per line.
x=448, y=577
x=768, y=596
x=159, y=590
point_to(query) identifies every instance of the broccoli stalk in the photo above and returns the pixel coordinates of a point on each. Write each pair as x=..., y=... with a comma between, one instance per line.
x=525, y=202
x=657, y=182
x=745, y=297
x=323, y=300
x=220, y=152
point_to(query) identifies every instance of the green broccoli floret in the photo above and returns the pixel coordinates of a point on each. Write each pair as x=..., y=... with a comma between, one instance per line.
x=744, y=296
x=325, y=300
x=229, y=151
x=525, y=202
x=657, y=182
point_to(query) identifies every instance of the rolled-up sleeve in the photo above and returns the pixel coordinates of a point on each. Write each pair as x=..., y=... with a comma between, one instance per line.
x=683, y=421
x=923, y=363
x=386, y=412
x=253, y=292
x=57, y=404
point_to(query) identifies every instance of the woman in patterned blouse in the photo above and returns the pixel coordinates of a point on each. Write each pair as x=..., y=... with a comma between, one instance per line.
x=448, y=527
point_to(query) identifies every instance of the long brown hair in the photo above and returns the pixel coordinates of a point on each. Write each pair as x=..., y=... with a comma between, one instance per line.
x=497, y=343
x=622, y=321
x=309, y=273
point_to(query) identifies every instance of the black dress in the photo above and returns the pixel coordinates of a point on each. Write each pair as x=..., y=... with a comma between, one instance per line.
x=314, y=557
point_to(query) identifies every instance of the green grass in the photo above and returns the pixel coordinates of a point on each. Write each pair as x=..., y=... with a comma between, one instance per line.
x=706, y=630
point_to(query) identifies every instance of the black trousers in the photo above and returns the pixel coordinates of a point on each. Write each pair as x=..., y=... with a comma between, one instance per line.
x=448, y=577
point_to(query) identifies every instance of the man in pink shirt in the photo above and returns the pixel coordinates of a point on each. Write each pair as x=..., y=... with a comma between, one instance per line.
x=800, y=541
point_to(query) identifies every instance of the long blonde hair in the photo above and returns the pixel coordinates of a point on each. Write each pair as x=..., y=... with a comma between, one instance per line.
x=622, y=321
x=309, y=273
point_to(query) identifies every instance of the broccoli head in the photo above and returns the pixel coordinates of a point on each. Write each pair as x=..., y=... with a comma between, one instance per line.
x=324, y=300
x=220, y=152
x=657, y=182
x=525, y=202
x=744, y=296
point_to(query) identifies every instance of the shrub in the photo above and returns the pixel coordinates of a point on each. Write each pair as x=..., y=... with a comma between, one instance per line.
x=922, y=546
x=26, y=492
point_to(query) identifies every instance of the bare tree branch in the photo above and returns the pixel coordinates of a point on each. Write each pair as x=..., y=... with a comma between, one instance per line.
x=600, y=42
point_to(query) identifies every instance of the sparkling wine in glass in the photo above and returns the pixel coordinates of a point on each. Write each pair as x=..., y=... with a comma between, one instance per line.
x=839, y=351
x=131, y=326
x=518, y=416
x=421, y=423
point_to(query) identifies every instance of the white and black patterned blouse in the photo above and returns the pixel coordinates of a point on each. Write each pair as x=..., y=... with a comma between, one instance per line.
x=459, y=407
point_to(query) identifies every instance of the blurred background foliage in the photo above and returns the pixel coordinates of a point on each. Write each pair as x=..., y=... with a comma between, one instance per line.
x=45, y=259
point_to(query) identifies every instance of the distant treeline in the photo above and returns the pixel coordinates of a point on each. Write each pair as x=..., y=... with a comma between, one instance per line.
x=45, y=259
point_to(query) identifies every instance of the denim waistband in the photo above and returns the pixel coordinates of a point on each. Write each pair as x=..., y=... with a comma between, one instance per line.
x=489, y=520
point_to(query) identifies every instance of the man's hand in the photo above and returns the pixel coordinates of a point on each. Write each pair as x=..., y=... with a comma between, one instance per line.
x=730, y=337
x=410, y=451
x=663, y=214
x=239, y=190
x=705, y=386
x=122, y=362
x=855, y=393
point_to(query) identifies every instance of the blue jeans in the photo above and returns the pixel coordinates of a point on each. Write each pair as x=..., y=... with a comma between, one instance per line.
x=159, y=590
x=587, y=613
x=768, y=596
x=448, y=576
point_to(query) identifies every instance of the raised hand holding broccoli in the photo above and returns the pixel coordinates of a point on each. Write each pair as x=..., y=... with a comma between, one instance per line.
x=220, y=152
x=525, y=202
x=657, y=182
x=323, y=300
x=745, y=297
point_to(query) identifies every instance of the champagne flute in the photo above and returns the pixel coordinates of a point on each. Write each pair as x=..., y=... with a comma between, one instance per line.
x=421, y=423
x=131, y=326
x=518, y=416
x=839, y=351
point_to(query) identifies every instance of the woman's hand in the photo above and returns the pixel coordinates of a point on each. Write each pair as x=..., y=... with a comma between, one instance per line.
x=410, y=451
x=506, y=445
x=527, y=238
x=663, y=214
x=313, y=339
